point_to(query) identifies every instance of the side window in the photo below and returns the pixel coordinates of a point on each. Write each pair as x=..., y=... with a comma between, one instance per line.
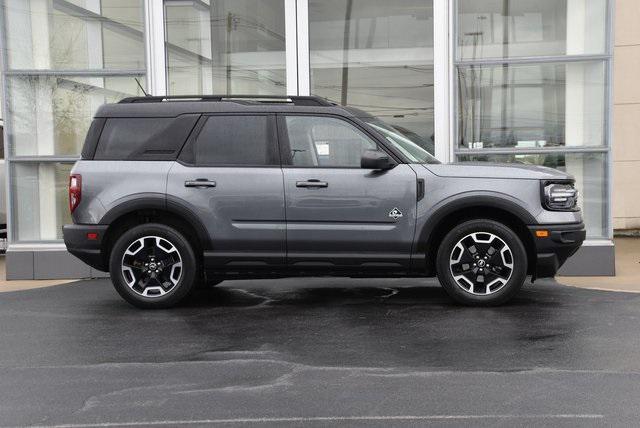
x=235, y=140
x=316, y=141
x=158, y=138
x=92, y=138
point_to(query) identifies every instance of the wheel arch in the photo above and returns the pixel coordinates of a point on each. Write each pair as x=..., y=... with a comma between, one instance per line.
x=153, y=209
x=491, y=207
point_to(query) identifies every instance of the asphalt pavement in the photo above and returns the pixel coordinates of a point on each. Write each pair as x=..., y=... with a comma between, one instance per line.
x=319, y=352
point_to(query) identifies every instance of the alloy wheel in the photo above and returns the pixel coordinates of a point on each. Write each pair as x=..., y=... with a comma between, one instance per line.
x=481, y=263
x=151, y=266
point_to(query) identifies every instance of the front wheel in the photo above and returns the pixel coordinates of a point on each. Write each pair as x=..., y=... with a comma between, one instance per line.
x=481, y=263
x=153, y=266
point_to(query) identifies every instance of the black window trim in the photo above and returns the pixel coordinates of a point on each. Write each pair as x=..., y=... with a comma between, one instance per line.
x=90, y=146
x=285, y=150
x=273, y=143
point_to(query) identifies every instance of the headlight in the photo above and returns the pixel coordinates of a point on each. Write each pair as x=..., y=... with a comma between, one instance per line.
x=560, y=196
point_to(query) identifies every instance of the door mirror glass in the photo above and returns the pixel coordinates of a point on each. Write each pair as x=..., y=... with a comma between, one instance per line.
x=376, y=159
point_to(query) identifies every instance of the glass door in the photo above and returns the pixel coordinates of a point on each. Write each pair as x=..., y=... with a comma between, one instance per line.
x=225, y=47
x=377, y=56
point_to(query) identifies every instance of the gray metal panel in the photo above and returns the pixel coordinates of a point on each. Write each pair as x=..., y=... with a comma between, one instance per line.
x=521, y=190
x=107, y=184
x=58, y=264
x=19, y=264
x=484, y=170
x=591, y=260
x=350, y=217
x=244, y=213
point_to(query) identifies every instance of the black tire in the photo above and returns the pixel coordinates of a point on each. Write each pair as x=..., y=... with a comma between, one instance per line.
x=185, y=279
x=477, y=265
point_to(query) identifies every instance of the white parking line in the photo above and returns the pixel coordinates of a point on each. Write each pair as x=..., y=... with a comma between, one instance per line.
x=336, y=419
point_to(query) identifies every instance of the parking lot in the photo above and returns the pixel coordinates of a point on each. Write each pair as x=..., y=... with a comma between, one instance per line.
x=319, y=352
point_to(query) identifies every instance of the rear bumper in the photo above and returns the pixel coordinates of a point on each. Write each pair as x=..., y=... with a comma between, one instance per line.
x=87, y=250
x=552, y=251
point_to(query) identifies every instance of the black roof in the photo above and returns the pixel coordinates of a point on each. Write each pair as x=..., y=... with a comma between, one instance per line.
x=172, y=106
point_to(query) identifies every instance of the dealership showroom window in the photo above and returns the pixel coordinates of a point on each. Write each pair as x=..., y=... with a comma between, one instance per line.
x=473, y=80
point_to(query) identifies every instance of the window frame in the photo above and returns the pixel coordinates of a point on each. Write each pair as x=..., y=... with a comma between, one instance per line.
x=285, y=147
x=273, y=145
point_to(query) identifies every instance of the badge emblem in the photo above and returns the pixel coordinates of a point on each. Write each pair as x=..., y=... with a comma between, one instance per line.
x=395, y=213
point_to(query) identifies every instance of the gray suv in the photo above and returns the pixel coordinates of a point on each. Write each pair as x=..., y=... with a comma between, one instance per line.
x=172, y=193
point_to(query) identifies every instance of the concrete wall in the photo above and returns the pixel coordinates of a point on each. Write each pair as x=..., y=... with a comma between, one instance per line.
x=626, y=116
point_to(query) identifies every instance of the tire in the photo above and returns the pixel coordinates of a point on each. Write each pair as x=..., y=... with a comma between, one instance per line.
x=500, y=259
x=153, y=266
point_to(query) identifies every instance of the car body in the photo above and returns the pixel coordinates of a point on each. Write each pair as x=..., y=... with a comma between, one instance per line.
x=299, y=186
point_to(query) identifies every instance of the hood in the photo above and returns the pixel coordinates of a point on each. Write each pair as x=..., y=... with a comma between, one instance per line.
x=497, y=170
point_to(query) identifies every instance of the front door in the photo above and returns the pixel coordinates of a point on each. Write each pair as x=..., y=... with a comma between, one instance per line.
x=230, y=177
x=338, y=214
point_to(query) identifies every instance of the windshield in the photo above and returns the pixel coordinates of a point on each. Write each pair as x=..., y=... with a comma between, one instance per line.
x=410, y=144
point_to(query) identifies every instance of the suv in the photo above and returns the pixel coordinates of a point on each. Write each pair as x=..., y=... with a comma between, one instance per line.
x=174, y=192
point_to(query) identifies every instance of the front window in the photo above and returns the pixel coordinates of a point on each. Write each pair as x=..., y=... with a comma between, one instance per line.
x=408, y=143
x=325, y=142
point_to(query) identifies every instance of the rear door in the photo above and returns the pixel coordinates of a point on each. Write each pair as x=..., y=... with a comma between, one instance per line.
x=229, y=175
x=339, y=214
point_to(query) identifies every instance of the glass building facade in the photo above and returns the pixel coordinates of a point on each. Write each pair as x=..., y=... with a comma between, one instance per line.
x=475, y=80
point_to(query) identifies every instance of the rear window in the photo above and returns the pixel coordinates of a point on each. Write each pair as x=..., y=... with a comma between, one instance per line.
x=234, y=140
x=144, y=138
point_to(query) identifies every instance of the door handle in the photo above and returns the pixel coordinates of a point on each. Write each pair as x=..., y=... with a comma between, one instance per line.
x=312, y=183
x=200, y=183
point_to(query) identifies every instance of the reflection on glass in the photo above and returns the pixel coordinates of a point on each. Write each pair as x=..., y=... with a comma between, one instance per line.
x=411, y=145
x=51, y=115
x=377, y=56
x=589, y=170
x=225, y=47
x=532, y=106
x=40, y=200
x=80, y=34
x=516, y=28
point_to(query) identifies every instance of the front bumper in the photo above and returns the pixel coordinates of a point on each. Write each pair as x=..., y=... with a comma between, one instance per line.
x=562, y=241
x=88, y=250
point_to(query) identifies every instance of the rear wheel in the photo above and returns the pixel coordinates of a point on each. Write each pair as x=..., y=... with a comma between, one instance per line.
x=153, y=266
x=481, y=263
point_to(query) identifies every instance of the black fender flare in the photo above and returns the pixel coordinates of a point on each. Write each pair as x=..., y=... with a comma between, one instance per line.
x=449, y=206
x=158, y=201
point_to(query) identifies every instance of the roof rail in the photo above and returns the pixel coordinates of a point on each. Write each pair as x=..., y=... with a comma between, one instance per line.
x=295, y=100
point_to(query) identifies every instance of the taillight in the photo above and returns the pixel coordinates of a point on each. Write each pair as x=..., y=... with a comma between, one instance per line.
x=75, y=191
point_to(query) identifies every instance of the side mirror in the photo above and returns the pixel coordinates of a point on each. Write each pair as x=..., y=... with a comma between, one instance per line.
x=376, y=159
